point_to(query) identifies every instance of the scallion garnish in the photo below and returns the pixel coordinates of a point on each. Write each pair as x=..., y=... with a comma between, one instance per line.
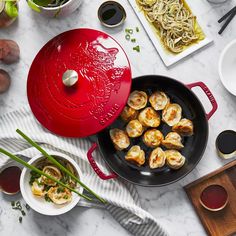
x=133, y=40
x=31, y=167
x=137, y=48
x=127, y=37
x=59, y=165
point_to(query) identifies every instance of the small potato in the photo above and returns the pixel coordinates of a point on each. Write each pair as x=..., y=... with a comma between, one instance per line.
x=5, y=81
x=9, y=51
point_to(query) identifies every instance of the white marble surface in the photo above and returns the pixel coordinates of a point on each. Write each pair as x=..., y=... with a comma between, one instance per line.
x=168, y=204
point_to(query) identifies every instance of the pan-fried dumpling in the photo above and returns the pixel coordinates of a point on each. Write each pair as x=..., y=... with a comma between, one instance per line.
x=172, y=114
x=149, y=117
x=136, y=155
x=129, y=114
x=184, y=127
x=153, y=138
x=134, y=129
x=157, y=158
x=119, y=138
x=37, y=187
x=53, y=172
x=59, y=195
x=159, y=100
x=172, y=141
x=137, y=100
x=174, y=159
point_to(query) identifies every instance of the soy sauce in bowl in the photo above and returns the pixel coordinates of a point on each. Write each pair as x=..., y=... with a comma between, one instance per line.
x=111, y=14
x=10, y=180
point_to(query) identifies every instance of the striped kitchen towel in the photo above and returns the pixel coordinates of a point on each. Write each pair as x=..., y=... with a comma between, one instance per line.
x=122, y=197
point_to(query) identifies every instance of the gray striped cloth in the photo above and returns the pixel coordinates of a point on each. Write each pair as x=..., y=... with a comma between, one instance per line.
x=122, y=197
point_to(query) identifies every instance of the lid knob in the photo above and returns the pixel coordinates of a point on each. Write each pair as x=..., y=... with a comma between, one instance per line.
x=70, y=78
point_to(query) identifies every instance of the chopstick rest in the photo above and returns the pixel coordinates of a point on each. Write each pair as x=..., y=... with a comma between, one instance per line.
x=229, y=16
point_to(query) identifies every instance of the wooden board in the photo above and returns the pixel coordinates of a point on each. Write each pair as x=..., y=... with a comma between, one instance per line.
x=221, y=223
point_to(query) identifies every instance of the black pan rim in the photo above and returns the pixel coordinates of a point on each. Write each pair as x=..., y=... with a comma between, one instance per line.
x=193, y=166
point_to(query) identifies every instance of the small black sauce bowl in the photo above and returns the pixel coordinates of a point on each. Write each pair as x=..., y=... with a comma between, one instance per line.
x=220, y=138
x=100, y=14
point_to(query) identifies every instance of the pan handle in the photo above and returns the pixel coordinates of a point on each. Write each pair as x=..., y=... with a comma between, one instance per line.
x=210, y=96
x=95, y=166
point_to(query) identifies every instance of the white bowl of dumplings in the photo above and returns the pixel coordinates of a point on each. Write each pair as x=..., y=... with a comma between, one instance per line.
x=56, y=202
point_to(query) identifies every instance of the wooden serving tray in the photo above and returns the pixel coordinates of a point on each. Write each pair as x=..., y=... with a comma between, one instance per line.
x=221, y=223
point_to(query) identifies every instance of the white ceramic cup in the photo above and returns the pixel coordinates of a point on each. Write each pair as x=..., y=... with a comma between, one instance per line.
x=61, y=11
x=227, y=67
x=39, y=204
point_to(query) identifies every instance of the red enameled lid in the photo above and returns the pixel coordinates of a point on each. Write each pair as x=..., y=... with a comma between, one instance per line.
x=96, y=100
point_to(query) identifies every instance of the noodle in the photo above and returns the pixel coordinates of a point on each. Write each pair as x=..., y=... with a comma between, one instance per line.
x=173, y=21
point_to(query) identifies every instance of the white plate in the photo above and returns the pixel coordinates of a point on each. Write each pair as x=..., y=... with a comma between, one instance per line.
x=167, y=57
x=227, y=67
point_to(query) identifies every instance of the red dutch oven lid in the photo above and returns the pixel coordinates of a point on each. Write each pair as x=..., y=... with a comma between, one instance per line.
x=102, y=71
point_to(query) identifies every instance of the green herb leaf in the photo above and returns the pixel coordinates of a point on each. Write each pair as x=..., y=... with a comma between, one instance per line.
x=23, y=213
x=20, y=219
x=13, y=203
x=11, y=9
x=133, y=40
x=47, y=198
x=137, y=29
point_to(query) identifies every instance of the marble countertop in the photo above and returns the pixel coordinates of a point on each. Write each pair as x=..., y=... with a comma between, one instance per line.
x=168, y=204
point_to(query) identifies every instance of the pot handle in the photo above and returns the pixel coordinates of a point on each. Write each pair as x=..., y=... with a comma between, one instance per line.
x=208, y=93
x=95, y=166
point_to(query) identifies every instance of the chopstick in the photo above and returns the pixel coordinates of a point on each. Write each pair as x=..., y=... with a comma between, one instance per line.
x=31, y=167
x=231, y=14
x=227, y=14
x=59, y=165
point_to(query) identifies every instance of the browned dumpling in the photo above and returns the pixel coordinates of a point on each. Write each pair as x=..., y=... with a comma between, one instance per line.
x=172, y=114
x=174, y=159
x=134, y=129
x=136, y=155
x=149, y=117
x=153, y=138
x=157, y=158
x=172, y=141
x=129, y=114
x=159, y=100
x=119, y=138
x=137, y=100
x=184, y=127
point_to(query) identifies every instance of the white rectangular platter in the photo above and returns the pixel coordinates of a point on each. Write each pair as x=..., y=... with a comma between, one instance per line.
x=167, y=57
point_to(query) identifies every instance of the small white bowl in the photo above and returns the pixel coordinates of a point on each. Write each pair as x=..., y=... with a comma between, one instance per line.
x=39, y=204
x=227, y=67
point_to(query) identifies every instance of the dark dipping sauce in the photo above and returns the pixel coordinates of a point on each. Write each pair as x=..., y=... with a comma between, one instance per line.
x=214, y=197
x=10, y=180
x=226, y=142
x=111, y=13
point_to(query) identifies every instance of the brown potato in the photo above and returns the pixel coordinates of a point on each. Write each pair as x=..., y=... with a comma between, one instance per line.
x=5, y=81
x=9, y=51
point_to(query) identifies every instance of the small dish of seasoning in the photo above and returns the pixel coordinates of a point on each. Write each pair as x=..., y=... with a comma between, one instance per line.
x=111, y=14
x=10, y=180
x=226, y=144
x=214, y=197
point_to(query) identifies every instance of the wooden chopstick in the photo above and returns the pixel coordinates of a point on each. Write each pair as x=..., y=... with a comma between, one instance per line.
x=227, y=14
x=230, y=18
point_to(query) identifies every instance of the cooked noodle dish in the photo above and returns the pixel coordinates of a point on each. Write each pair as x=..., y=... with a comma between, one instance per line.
x=173, y=22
